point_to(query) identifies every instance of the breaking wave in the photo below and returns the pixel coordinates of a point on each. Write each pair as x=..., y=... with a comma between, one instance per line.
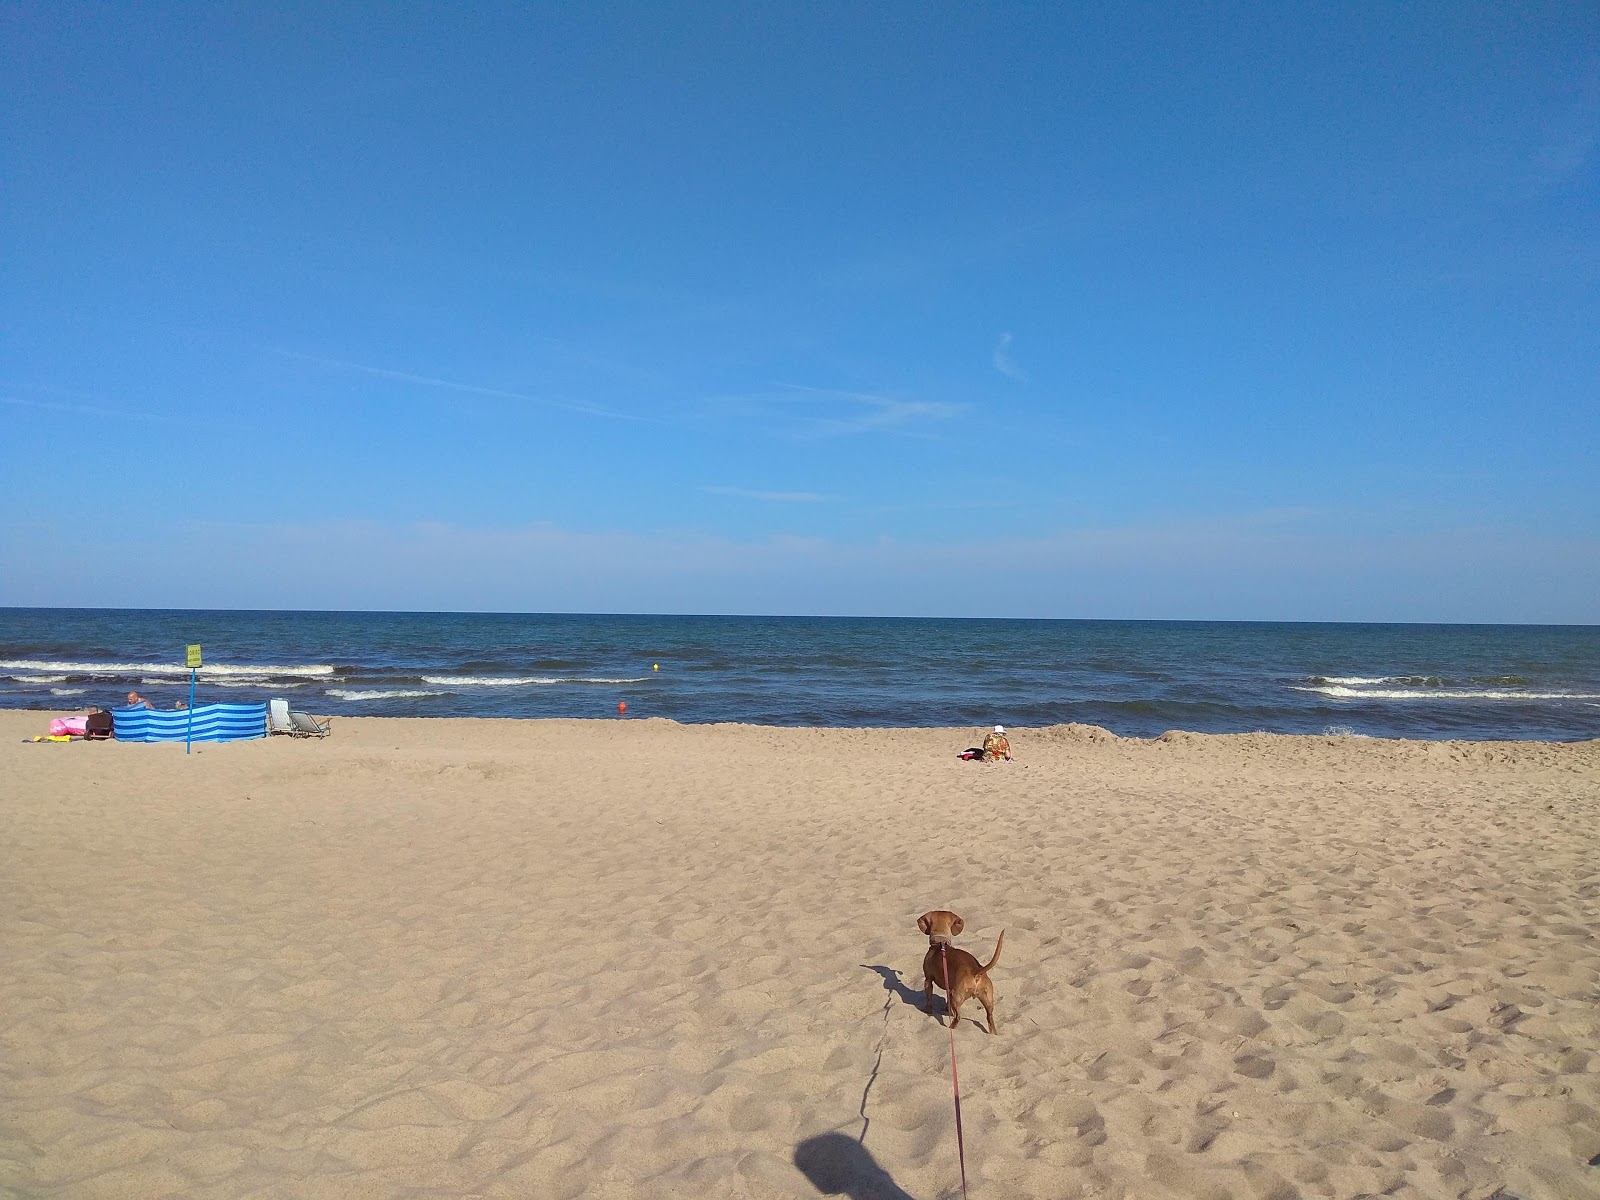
x=118, y=670
x=397, y=694
x=528, y=681
x=1337, y=692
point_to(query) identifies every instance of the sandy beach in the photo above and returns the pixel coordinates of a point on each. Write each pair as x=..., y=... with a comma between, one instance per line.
x=498, y=958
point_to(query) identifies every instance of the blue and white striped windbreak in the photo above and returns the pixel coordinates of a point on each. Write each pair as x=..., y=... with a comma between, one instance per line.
x=212, y=723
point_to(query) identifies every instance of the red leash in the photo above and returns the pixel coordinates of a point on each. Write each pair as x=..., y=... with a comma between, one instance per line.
x=955, y=1080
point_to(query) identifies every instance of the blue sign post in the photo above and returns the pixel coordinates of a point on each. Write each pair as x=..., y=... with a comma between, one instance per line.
x=194, y=666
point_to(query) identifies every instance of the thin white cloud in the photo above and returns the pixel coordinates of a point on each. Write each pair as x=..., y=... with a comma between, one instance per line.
x=777, y=497
x=1005, y=363
x=871, y=412
x=93, y=410
x=943, y=506
x=452, y=385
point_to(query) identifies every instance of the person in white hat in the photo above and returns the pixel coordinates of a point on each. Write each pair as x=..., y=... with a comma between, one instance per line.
x=995, y=746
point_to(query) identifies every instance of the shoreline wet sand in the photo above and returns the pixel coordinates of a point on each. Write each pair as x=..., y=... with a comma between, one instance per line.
x=483, y=957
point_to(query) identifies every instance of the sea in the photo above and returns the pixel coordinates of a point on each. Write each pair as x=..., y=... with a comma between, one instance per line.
x=1136, y=678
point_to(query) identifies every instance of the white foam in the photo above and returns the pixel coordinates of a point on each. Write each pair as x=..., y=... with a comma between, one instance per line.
x=68, y=691
x=206, y=672
x=528, y=681
x=1349, y=693
x=345, y=694
x=38, y=678
x=1353, y=680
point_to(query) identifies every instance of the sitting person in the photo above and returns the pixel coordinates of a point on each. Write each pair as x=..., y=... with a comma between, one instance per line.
x=995, y=746
x=181, y=705
x=137, y=701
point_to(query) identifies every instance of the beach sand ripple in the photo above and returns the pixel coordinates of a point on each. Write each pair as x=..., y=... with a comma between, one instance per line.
x=563, y=958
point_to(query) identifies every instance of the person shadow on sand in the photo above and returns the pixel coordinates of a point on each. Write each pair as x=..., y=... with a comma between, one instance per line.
x=838, y=1165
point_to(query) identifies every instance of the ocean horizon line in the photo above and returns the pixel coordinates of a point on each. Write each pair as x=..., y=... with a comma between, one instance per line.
x=774, y=616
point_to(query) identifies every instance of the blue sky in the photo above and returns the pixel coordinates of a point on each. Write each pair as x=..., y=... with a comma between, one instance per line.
x=1226, y=311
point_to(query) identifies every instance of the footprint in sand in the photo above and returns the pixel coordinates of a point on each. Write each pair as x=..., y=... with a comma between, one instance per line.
x=1254, y=1066
x=1076, y=1113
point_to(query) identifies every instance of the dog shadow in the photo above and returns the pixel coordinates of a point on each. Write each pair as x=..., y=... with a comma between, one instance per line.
x=838, y=1165
x=893, y=985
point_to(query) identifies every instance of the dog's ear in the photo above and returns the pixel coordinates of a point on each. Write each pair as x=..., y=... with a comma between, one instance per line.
x=957, y=925
x=924, y=924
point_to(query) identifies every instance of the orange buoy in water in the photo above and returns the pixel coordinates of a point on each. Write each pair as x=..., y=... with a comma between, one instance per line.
x=622, y=706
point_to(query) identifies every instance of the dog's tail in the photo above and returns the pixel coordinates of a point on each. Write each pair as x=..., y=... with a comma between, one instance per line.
x=996, y=958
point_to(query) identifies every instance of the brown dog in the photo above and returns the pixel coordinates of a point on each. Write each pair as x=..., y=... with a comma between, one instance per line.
x=969, y=979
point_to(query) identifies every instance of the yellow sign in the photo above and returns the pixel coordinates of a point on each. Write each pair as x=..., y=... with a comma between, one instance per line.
x=194, y=657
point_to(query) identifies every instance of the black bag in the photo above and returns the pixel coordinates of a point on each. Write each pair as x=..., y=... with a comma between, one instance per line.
x=97, y=726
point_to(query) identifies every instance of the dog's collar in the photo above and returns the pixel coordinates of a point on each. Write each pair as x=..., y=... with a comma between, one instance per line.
x=938, y=939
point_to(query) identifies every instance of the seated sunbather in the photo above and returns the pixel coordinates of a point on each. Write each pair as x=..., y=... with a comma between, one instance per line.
x=995, y=746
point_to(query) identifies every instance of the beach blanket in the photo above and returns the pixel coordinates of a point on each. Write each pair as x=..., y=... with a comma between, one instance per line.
x=212, y=723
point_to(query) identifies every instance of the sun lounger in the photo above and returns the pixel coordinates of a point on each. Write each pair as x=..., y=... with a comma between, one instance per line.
x=278, y=717
x=306, y=725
